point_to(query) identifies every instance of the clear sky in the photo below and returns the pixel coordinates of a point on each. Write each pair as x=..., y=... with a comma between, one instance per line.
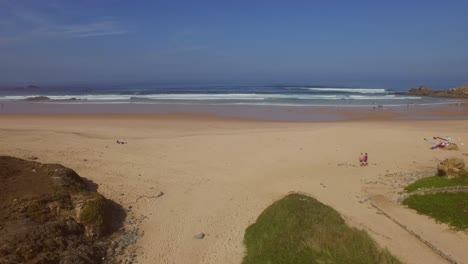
x=379, y=43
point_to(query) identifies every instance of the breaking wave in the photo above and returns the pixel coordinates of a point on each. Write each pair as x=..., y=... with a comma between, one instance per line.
x=347, y=90
x=216, y=97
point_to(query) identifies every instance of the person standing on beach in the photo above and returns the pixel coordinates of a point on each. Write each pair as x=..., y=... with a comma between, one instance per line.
x=365, y=159
x=361, y=159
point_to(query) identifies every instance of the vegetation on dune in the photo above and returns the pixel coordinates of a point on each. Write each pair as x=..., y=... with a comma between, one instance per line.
x=299, y=229
x=452, y=168
x=436, y=182
x=62, y=196
x=93, y=213
x=450, y=208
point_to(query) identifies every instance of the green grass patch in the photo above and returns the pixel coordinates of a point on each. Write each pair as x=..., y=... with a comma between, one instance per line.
x=449, y=208
x=435, y=182
x=93, y=212
x=299, y=229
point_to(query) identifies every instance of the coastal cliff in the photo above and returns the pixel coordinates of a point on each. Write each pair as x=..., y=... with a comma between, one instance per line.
x=459, y=92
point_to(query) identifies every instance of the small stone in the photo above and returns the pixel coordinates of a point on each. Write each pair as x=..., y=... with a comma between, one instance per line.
x=199, y=236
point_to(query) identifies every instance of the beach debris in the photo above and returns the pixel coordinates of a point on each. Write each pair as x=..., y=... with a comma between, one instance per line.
x=452, y=167
x=345, y=164
x=451, y=146
x=120, y=142
x=446, y=138
x=199, y=236
x=323, y=185
x=149, y=197
x=363, y=200
x=445, y=143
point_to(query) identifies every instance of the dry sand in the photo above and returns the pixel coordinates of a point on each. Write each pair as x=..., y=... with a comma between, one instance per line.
x=218, y=175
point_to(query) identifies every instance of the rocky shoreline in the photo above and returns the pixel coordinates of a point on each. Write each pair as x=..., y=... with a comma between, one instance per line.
x=459, y=92
x=49, y=214
x=45, y=98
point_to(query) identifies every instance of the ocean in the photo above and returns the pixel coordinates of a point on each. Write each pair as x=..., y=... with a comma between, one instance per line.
x=222, y=95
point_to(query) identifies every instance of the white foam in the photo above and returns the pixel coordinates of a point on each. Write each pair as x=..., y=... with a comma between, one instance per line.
x=219, y=97
x=105, y=97
x=383, y=97
x=347, y=90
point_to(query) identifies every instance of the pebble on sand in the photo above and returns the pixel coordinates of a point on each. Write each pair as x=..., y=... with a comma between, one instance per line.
x=199, y=236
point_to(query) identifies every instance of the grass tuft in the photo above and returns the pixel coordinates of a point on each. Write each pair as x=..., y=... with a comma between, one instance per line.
x=449, y=208
x=435, y=182
x=93, y=212
x=299, y=229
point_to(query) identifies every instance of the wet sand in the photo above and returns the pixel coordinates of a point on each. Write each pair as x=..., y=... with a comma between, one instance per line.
x=288, y=113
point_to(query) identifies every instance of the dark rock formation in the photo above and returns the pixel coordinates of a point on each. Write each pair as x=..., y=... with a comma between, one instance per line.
x=37, y=98
x=459, y=92
x=49, y=214
x=45, y=98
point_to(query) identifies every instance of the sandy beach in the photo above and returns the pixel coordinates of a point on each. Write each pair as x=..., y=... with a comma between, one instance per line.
x=218, y=174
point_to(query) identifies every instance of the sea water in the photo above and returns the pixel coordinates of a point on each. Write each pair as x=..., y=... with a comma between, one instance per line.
x=283, y=95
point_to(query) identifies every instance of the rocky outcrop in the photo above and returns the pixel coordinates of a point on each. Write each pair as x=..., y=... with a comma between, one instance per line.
x=37, y=98
x=421, y=90
x=49, y=214
x=459, y=92
x=452, y=167
x=45, y=98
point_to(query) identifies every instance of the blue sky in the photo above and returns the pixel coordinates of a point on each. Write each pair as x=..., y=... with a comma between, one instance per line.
x=368, y=43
